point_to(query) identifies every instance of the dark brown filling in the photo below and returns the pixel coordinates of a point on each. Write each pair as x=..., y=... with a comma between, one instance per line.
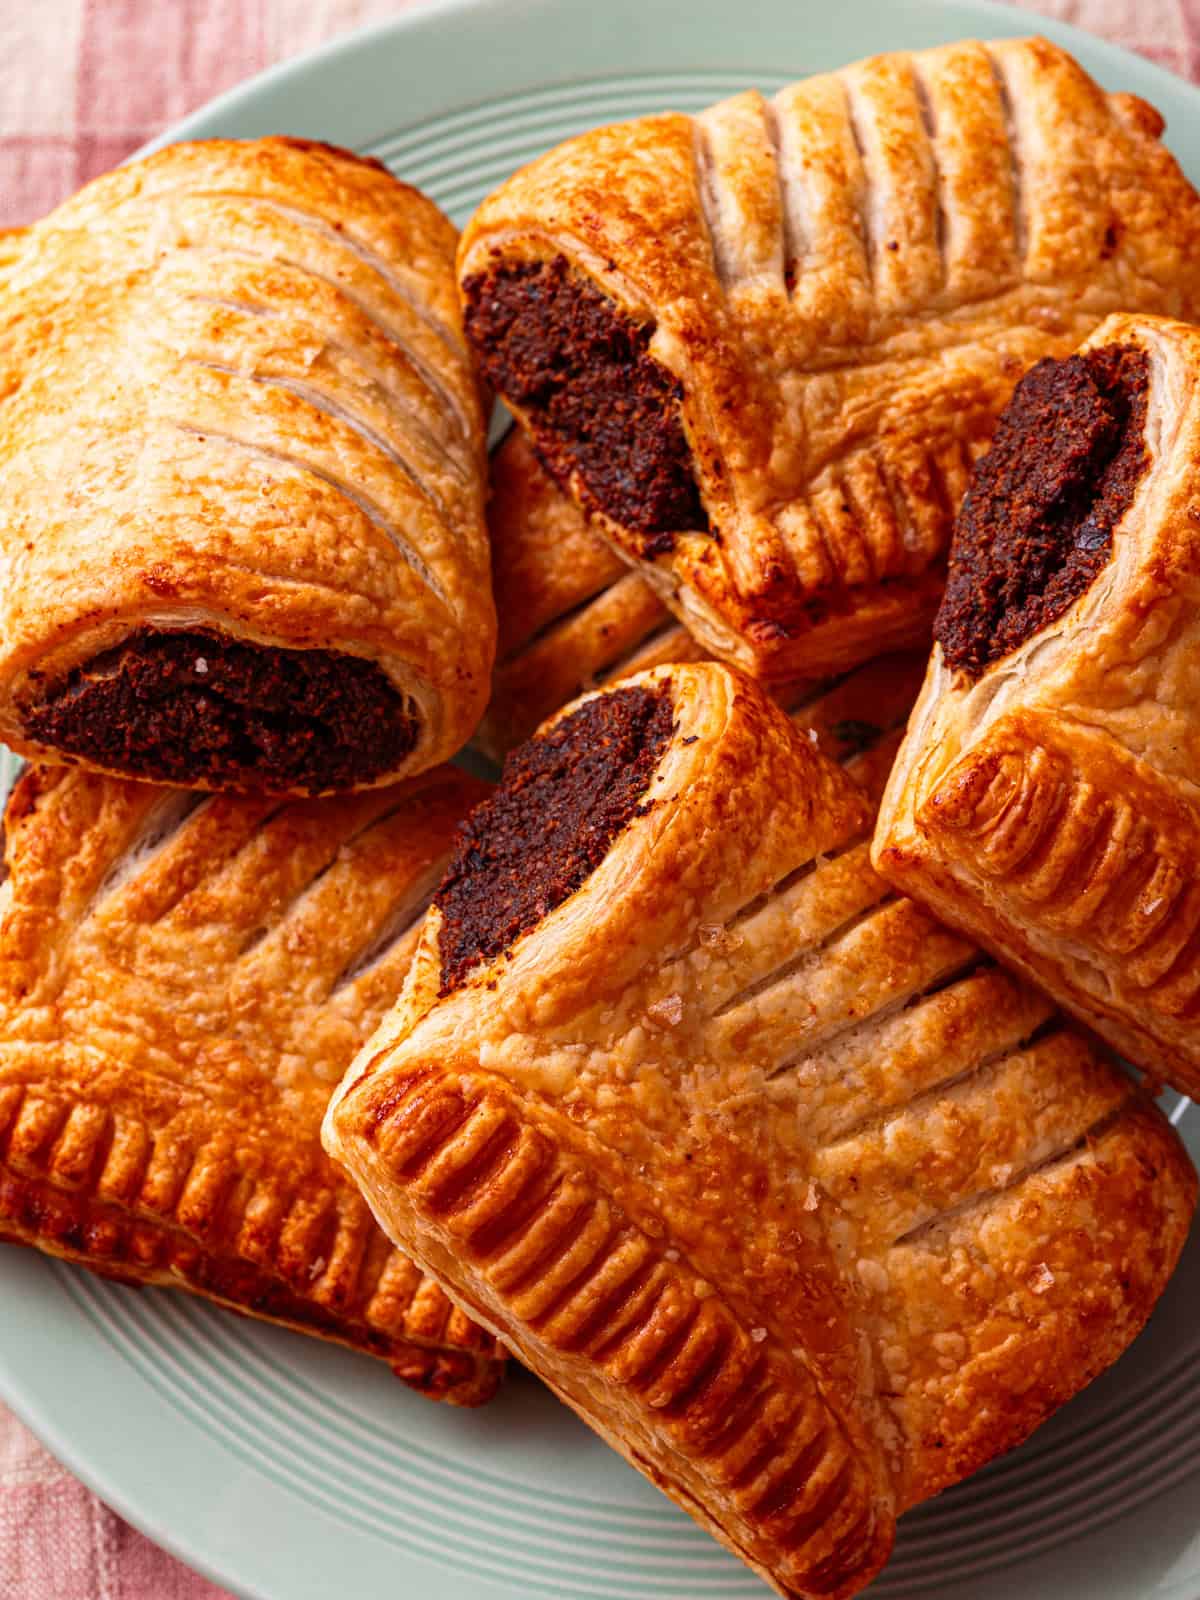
x=195, y=707
x=597, y=402
x=562, y=800
x=1036, y=526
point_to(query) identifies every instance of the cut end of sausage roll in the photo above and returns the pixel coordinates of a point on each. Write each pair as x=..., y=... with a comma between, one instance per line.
x=763, y=346
x=605, y=407
x=242, y=429
x=675, y=1132
x=182, y=981
x=563, y=799
x=1036, y=526
x=190, y=707
x=1045, y=797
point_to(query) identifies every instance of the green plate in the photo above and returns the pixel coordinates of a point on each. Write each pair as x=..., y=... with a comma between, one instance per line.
x=287, y=1471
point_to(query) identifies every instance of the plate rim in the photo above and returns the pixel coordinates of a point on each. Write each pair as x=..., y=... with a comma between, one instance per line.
x=426, y=13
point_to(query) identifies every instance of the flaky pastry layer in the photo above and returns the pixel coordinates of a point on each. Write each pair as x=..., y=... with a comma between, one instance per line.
x=572, y=614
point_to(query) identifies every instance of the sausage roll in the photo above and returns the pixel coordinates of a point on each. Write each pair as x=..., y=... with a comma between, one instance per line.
x=182, y=981
x=1046, y=797
x=242, y=446
x=803, y=1205
x=764, y=345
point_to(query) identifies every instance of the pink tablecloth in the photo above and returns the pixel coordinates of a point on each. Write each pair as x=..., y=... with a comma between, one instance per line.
x=83, y=82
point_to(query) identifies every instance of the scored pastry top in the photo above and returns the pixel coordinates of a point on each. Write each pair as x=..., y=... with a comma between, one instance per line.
x=243, y=451
x=758, y=1165
x=764, y=345
x=182, y=980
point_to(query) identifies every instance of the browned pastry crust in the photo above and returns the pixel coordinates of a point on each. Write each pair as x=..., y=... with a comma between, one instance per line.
x=804, y=1206
x=572, y=613
x=182, y=981
x=764, y=345
x=572, y=617
x=859, y=721
x=243, y=453
x=1046, y=798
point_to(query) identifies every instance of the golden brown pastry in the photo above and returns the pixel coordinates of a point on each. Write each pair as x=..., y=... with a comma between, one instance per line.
x=242, y=447
x=572, y=614
x=1046, y=797
x=182, y=981
x=806, y=1208
x=764, y=345
x=859, y=721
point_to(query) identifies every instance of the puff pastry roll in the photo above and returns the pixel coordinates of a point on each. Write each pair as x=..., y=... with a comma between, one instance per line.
x=244, y=467
x=764, y=345
x=807, y=1209
x=182, y=982
x=1046, y=799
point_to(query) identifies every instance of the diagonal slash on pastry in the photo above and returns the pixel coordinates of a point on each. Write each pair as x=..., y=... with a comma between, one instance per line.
x=805, y=1206
x=182, y=979
x=764, y=345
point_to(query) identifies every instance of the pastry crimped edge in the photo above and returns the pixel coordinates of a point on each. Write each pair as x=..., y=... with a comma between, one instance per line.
x=89, y=1178
x=1047, y=806
x=407, y=1322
